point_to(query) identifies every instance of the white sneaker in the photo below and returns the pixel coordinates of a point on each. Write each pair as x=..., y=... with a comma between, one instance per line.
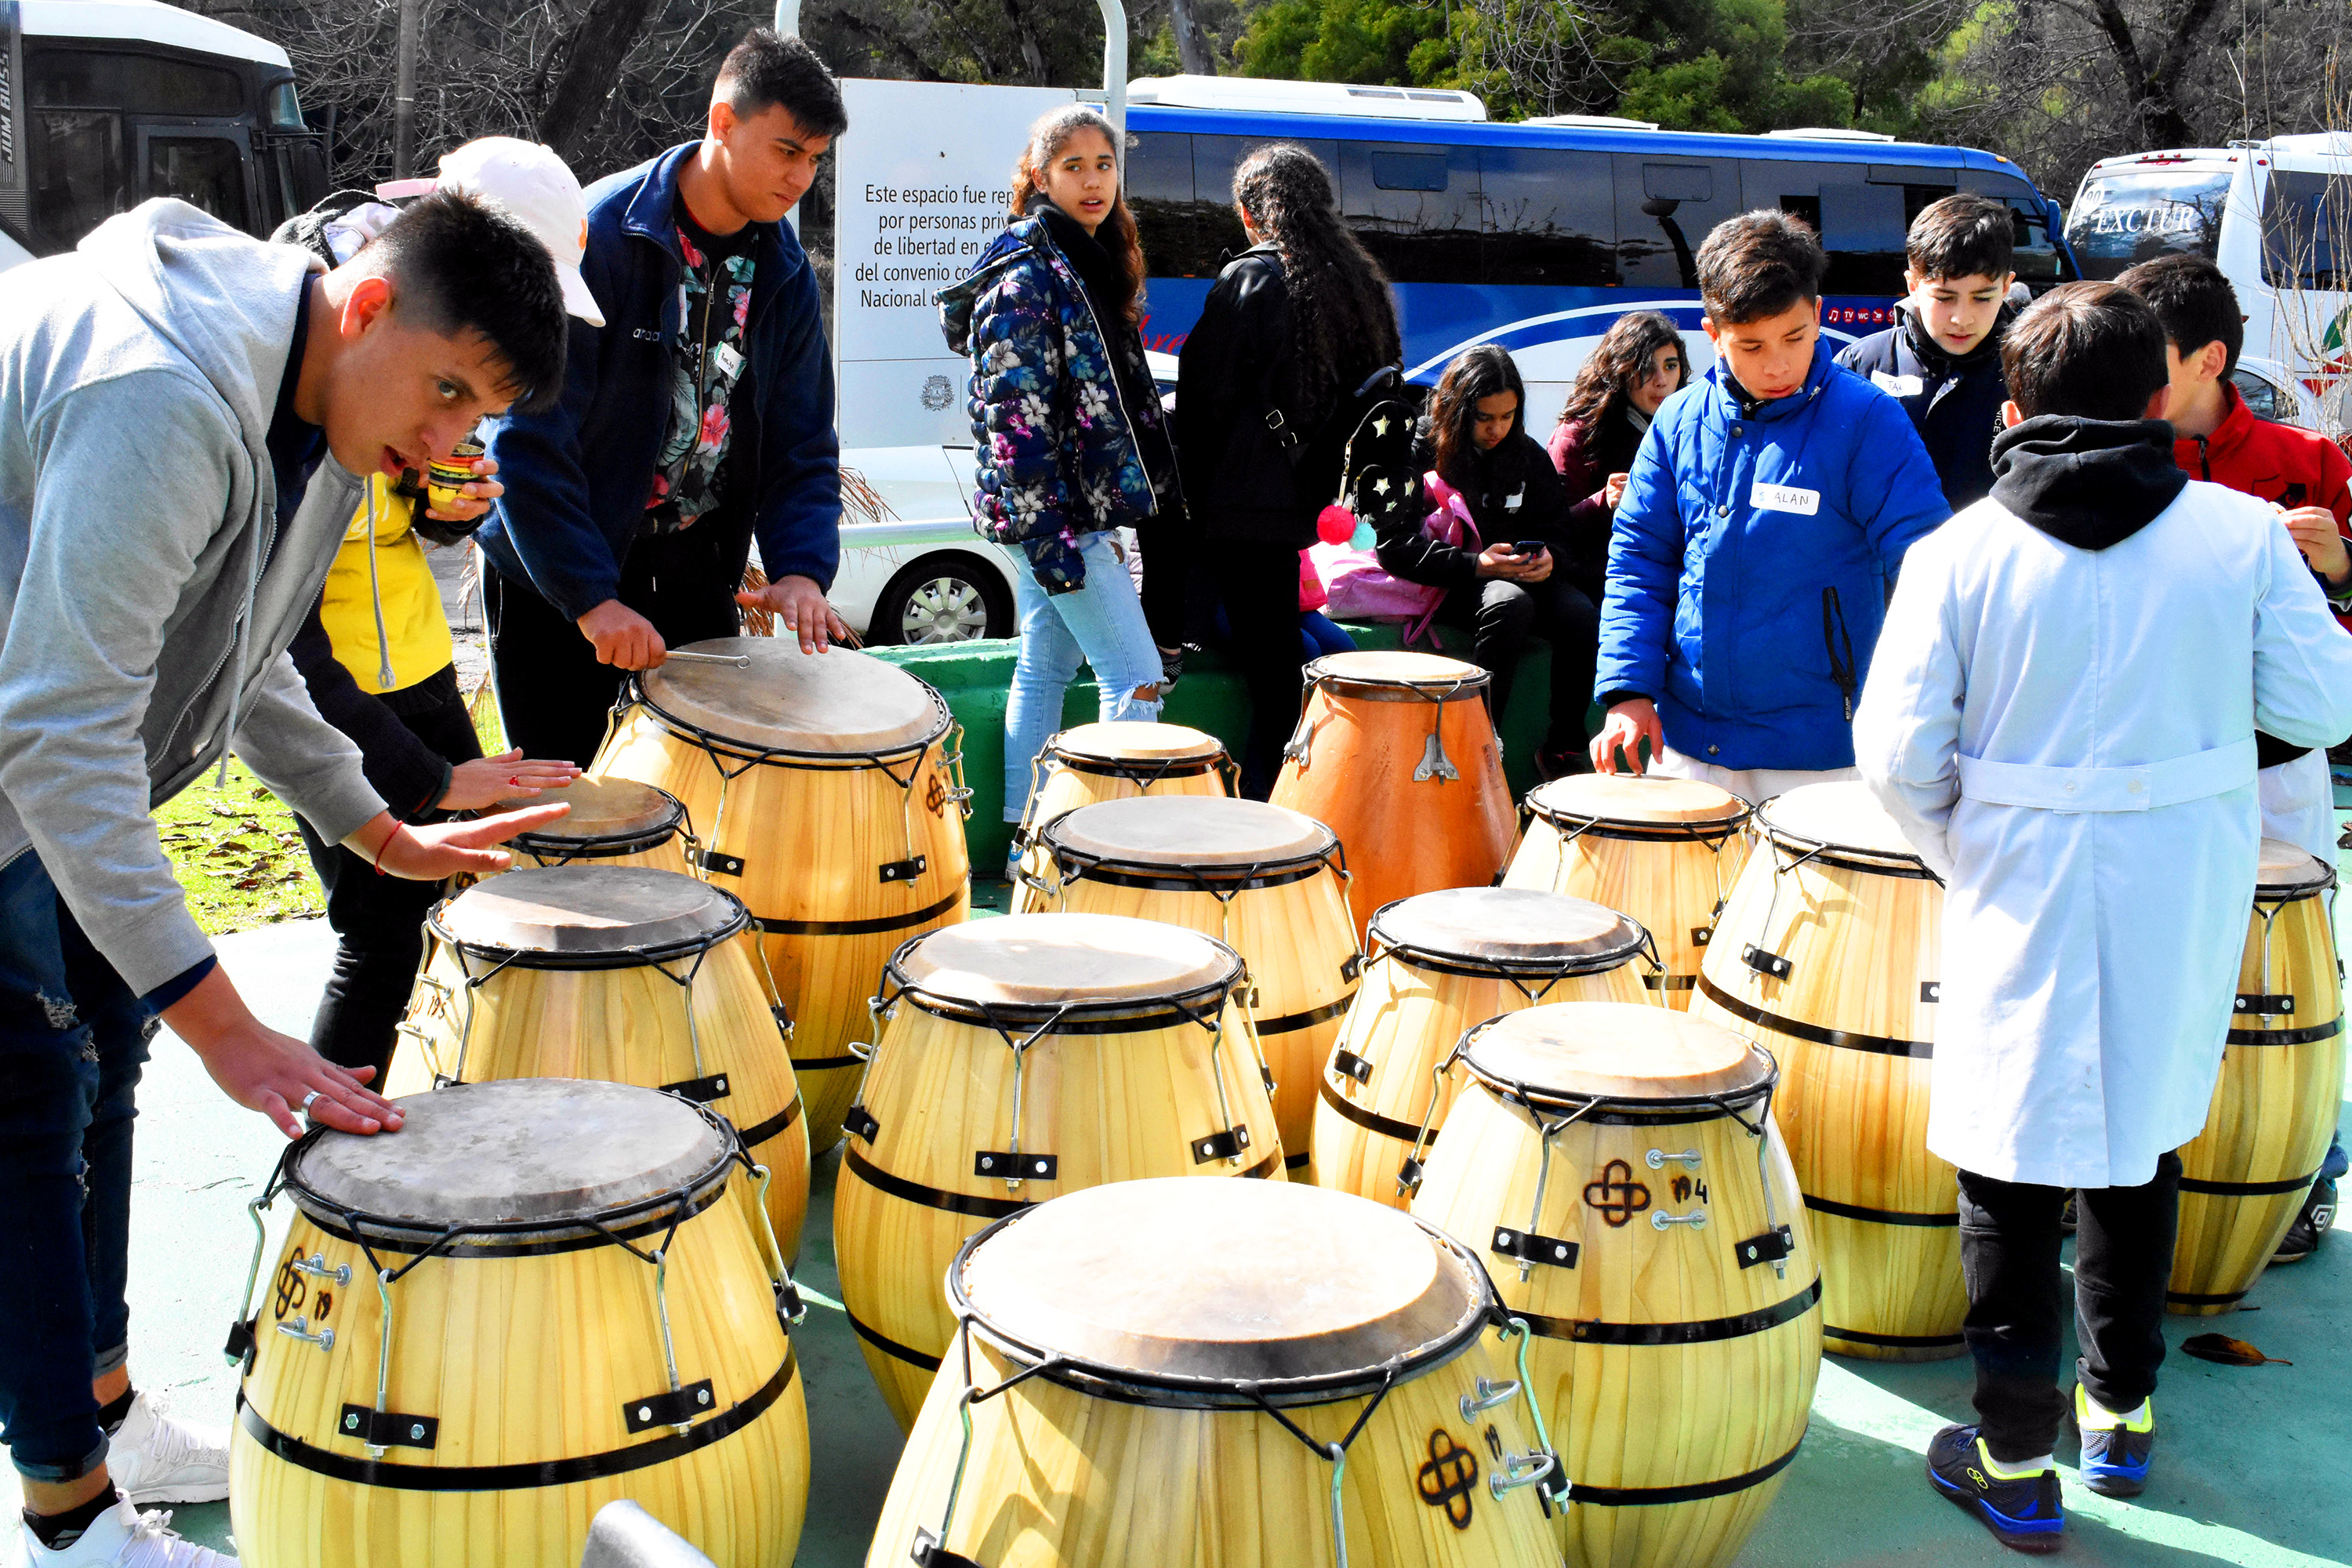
x=123, y=1538
x=155, y=1458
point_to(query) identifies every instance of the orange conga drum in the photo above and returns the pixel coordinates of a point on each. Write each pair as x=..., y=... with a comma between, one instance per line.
x=1395, y=752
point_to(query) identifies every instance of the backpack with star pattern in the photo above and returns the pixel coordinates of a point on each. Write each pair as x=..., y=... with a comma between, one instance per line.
x=1366, y=441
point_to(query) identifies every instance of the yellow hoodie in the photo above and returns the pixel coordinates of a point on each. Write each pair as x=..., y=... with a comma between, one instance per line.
x=388, y=586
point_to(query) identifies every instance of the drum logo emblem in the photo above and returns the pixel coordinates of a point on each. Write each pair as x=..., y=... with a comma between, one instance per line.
x=1616, y=1195
x=1449, y=1478
x=291, y=1290
x=935, y=796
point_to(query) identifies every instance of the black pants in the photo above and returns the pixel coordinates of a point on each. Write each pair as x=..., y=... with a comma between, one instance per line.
x=378, y=919
x=2017, y=1299
x=1259, y=583
x=553, y=694
x=1501, y=616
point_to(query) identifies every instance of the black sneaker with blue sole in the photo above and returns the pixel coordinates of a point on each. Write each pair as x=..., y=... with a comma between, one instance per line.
x=2022, y=1513
x=2114, y=1452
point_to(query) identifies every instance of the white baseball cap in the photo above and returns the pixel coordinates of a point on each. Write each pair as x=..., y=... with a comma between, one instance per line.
x=538, y=189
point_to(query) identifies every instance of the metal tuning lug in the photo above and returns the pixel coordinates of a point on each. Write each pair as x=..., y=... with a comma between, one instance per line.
x=1769, y=964
x=1014, y=1167
x=1349, y=1065
x=1435, y=763
x=240, y=1347
x=676, y=1411
x=381, y=1429
x=1660, y=1219
x=904, y=870
x=1491, y=1391
x=930, y=1554
x=1226, y=1145
x=300, y=1328
x=2268, y=1006
x=701, y=1091
x=1525, y=1247
x=1658, y=1158
x=859, y=1122
x=1771, y=1247
x=712, y=860
x=1516, y=1470
x=315, y=1266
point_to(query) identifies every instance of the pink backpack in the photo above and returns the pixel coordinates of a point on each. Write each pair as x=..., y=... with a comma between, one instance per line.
x=1359, y=590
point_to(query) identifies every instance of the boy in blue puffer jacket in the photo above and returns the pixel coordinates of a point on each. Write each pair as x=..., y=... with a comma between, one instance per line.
x=1765, y=516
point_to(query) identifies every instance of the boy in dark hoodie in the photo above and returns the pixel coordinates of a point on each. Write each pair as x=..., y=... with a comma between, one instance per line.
x=2062, y=717
x=1941, y=360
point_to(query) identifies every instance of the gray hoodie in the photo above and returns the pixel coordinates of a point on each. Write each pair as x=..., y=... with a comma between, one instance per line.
x=147, y=594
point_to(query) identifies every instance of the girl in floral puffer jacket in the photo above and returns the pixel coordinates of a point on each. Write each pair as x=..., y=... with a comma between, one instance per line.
x=1069, y=438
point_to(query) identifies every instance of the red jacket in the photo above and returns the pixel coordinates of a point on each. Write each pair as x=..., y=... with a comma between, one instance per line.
x=2277, y=463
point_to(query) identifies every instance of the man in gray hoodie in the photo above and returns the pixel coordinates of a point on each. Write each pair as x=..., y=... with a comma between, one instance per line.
x=182, y=414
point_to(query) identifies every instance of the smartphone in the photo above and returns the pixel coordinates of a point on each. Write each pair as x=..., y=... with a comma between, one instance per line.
x=1528, y=546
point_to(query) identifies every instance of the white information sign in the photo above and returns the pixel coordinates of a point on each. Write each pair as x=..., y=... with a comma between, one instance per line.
x=924, y=174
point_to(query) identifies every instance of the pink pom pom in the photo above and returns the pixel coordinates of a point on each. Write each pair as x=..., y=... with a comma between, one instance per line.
x=1335, y=525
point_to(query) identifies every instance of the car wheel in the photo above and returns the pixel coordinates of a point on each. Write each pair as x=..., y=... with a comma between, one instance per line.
x=949, y=597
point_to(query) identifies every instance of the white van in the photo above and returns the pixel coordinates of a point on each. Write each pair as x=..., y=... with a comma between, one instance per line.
x=2275, y=216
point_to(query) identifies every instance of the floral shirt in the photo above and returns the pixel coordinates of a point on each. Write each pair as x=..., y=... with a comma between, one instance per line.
x=714, y=304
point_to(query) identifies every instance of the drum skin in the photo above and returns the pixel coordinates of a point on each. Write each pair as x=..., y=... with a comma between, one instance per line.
x=1863, y=936
x=1115, y=1103
x=1365, y=733
x=1633, y=1416
x=1291, y=924
x=2274, y=1103
x=1059, y=1478
x=524, y=1361
x=814, y=838
x=613, y=822
x=1405, y=1019
x=1660, y=849
x=1117, y=759
x=624, y=1025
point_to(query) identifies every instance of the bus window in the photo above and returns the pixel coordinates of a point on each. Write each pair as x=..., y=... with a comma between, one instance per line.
x=1160, y=195
x=1664, y=208
x=1860, y=218
x=204, y=171
x=285, y=108
x=2038, y=259
x=2305, y=217
x=148, y=84
x=1550, y=217
x=2134, y=214
x=1415, y=208
x=75, y=166
x=1214, y=230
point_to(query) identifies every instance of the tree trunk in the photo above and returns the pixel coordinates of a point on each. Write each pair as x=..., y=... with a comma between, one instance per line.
x=1192, y=44
x=591, y=65
x=1032, y=51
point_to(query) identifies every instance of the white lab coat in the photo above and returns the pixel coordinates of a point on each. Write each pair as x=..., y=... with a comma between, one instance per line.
x=2066, y=736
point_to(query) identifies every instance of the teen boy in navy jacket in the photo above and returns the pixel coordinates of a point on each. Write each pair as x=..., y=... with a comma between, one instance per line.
x=1766, y=512
x=682, y=432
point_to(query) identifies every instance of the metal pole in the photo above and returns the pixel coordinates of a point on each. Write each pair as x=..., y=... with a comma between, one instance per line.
x=788, y=18
x=1114, y=15
x=403, y=93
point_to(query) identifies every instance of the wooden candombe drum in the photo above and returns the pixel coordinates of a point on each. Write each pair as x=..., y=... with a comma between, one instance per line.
x=1115, y=761
x=1157, y=1375
x=828, y=791
x=534, y=1300
x=1268, y=882
x=613, y=822
x=1442, y=962
x=1619, y=1167
x=1396, y=753
x=1829, y=953
x=2243, y=1179
x=1665, y=851
x=1021, y=1058
x=620, y=974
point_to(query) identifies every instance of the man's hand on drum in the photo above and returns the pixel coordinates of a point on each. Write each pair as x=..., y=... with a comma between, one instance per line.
x=623, y=638
x=486, y=780
x=1630, y=724
x=429, y=853
x=799, y=608
x=278, y=1075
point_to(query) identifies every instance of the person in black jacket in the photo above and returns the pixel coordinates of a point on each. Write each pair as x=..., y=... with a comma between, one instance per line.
x=1292, y=327
x=1941, y=360
x=1520, y=580
x=1637, y=364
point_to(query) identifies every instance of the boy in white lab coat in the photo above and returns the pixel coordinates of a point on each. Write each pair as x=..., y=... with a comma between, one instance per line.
x=2061, y=716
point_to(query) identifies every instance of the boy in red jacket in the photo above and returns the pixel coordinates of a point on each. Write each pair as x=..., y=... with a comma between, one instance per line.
x=2308, y=478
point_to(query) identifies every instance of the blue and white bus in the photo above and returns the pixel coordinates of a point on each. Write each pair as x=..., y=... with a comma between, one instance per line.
x=1538, y=234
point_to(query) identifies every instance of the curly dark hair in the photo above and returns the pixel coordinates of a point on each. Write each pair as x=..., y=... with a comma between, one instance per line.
x=1047, y=137
x=1480, y=373
x=1341, y=318
x=1619, y=362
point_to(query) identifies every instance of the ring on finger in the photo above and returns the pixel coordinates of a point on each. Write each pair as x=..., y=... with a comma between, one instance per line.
x=310, y=1099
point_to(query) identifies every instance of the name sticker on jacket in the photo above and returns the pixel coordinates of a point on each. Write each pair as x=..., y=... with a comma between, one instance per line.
x=1898, y=386
x=1784, y=497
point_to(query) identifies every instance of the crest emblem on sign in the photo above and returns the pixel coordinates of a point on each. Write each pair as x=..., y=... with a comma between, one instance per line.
x=937, y=393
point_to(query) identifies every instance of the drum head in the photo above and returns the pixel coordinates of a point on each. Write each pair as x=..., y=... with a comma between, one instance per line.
x=1125, y=741
x=1496, y=929
x=1194, y=830
x=1573, y=1051
x=588, y=911
x=1638, y=799
x=2289, y=871
x=601, y=809
x=1203, y=1282
x=1032, y=961
x=835, y=703
x=1412, y=671
x=1846, y=817
x=533, y=1151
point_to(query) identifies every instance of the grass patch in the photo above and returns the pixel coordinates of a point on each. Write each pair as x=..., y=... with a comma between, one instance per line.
x=238, y=855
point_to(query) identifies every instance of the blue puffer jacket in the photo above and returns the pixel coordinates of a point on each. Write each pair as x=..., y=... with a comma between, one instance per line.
x=1055, y=442
x=1751, y=562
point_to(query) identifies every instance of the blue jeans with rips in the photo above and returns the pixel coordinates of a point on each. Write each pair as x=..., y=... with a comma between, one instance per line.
x=1100, y=625
x=73, y=1040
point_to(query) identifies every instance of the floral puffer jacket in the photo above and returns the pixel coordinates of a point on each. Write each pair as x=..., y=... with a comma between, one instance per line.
x=1055, y=442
